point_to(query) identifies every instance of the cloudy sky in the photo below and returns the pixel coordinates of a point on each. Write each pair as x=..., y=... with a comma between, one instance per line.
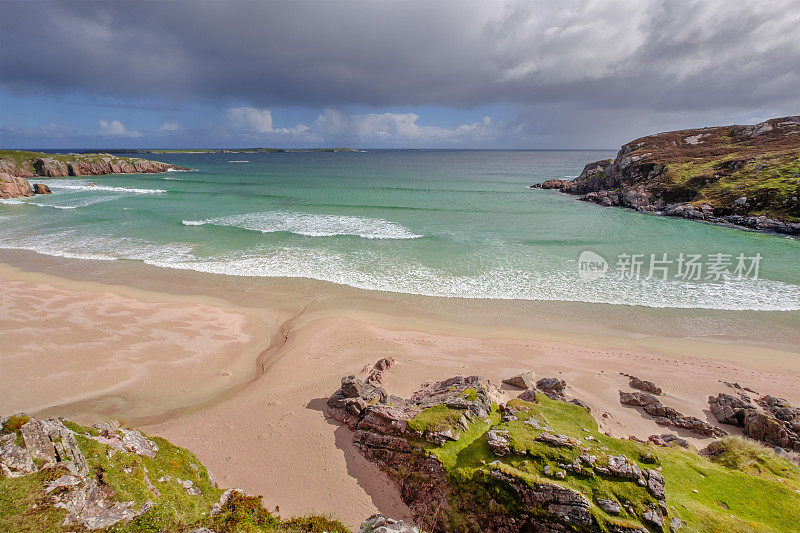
x=429, y=74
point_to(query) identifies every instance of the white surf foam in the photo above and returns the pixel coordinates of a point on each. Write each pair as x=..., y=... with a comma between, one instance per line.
x=58, y=202
x=311, y=225
x=502, y=283
x=84, y=186
x=550, y=279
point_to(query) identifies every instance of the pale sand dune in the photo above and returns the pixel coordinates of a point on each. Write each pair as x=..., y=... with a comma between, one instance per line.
x=158, y=357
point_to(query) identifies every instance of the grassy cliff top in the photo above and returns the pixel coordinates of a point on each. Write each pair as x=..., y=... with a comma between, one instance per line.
x=717, y=166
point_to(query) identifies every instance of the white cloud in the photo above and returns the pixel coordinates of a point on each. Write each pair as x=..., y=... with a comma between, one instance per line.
x=115, y=128
x=397, y=127
x=169, y=126
x=251, y=119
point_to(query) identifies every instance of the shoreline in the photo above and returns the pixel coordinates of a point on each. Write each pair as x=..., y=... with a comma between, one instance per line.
x=296, y=338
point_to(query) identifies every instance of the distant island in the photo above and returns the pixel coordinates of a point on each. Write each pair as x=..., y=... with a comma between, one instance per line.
x=220, y=150
x=747, y=176
x=18, y=165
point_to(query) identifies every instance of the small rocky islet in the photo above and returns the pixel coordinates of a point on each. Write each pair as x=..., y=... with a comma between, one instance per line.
x=462, y=459
x=745, y=176
x=16, y=166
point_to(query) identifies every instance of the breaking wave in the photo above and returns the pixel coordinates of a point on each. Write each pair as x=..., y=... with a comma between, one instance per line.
x=311, y=225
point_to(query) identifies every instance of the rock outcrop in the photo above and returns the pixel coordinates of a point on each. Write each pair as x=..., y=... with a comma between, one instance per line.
x=409, y=439
x=14, y=186
x=668, y=416
x=771, y=420
x=16, y=166
x=746, y=176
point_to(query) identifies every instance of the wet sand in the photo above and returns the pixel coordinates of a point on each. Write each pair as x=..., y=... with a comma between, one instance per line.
x=238, y=369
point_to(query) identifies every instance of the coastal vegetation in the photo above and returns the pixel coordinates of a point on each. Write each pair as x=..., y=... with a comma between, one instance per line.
x=464, y=462
x=742, y=175
x=59, y=476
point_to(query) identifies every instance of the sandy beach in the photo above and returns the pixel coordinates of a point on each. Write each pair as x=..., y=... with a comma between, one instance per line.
x=238, y=370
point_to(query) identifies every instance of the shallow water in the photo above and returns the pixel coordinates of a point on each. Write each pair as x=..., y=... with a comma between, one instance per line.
x=441, y=223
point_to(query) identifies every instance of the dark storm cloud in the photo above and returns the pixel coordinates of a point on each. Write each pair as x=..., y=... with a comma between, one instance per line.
x=663, y=56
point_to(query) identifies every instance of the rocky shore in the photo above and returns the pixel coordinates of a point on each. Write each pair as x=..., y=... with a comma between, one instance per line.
x=464, y=460
x=16, y=166
x=746, y=176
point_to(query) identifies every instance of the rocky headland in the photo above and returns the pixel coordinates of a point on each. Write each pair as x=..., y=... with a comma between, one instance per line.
x=464, y=460
x=17, y=165
x=747, y=176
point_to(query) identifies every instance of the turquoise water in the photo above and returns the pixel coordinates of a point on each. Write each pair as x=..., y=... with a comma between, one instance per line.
x=442, y=223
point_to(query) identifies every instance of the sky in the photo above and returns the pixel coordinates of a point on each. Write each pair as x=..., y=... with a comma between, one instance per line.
x=386, y=74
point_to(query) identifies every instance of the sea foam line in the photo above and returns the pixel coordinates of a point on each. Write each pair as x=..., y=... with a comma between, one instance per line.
x=311, y=225
x=107, y=188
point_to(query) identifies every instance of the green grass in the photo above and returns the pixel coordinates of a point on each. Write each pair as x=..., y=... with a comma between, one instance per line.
x=746, y=488
x=436, y=418
x=769, y=181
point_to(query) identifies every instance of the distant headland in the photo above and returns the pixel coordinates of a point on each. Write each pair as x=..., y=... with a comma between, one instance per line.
x=218, y=150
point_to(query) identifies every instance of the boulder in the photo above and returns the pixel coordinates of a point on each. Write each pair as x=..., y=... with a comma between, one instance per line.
x=41, y=188
x=551, y=386
x=13, y=186
x=523, y=381
x=37, y=443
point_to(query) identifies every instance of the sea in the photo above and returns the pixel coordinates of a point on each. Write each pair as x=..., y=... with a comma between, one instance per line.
x=447, y=223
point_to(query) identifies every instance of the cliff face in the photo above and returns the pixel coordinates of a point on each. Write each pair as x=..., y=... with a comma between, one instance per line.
x=743, y=175
x=20, y=165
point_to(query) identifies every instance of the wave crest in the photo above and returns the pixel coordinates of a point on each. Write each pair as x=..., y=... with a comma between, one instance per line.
x=311, y=225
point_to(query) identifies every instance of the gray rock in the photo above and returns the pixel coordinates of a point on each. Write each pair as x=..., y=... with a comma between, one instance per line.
x=654, y=517
x=189, y=486
x=551, y=385
x=88, y=506
x=555, y=439
x=655, y=483
x=135, y=442
x=67, y=450
x=378, y=523
x=609, y=506
x=623, y=467
x=37, y=442
x=15, y=461
x=498, y=442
